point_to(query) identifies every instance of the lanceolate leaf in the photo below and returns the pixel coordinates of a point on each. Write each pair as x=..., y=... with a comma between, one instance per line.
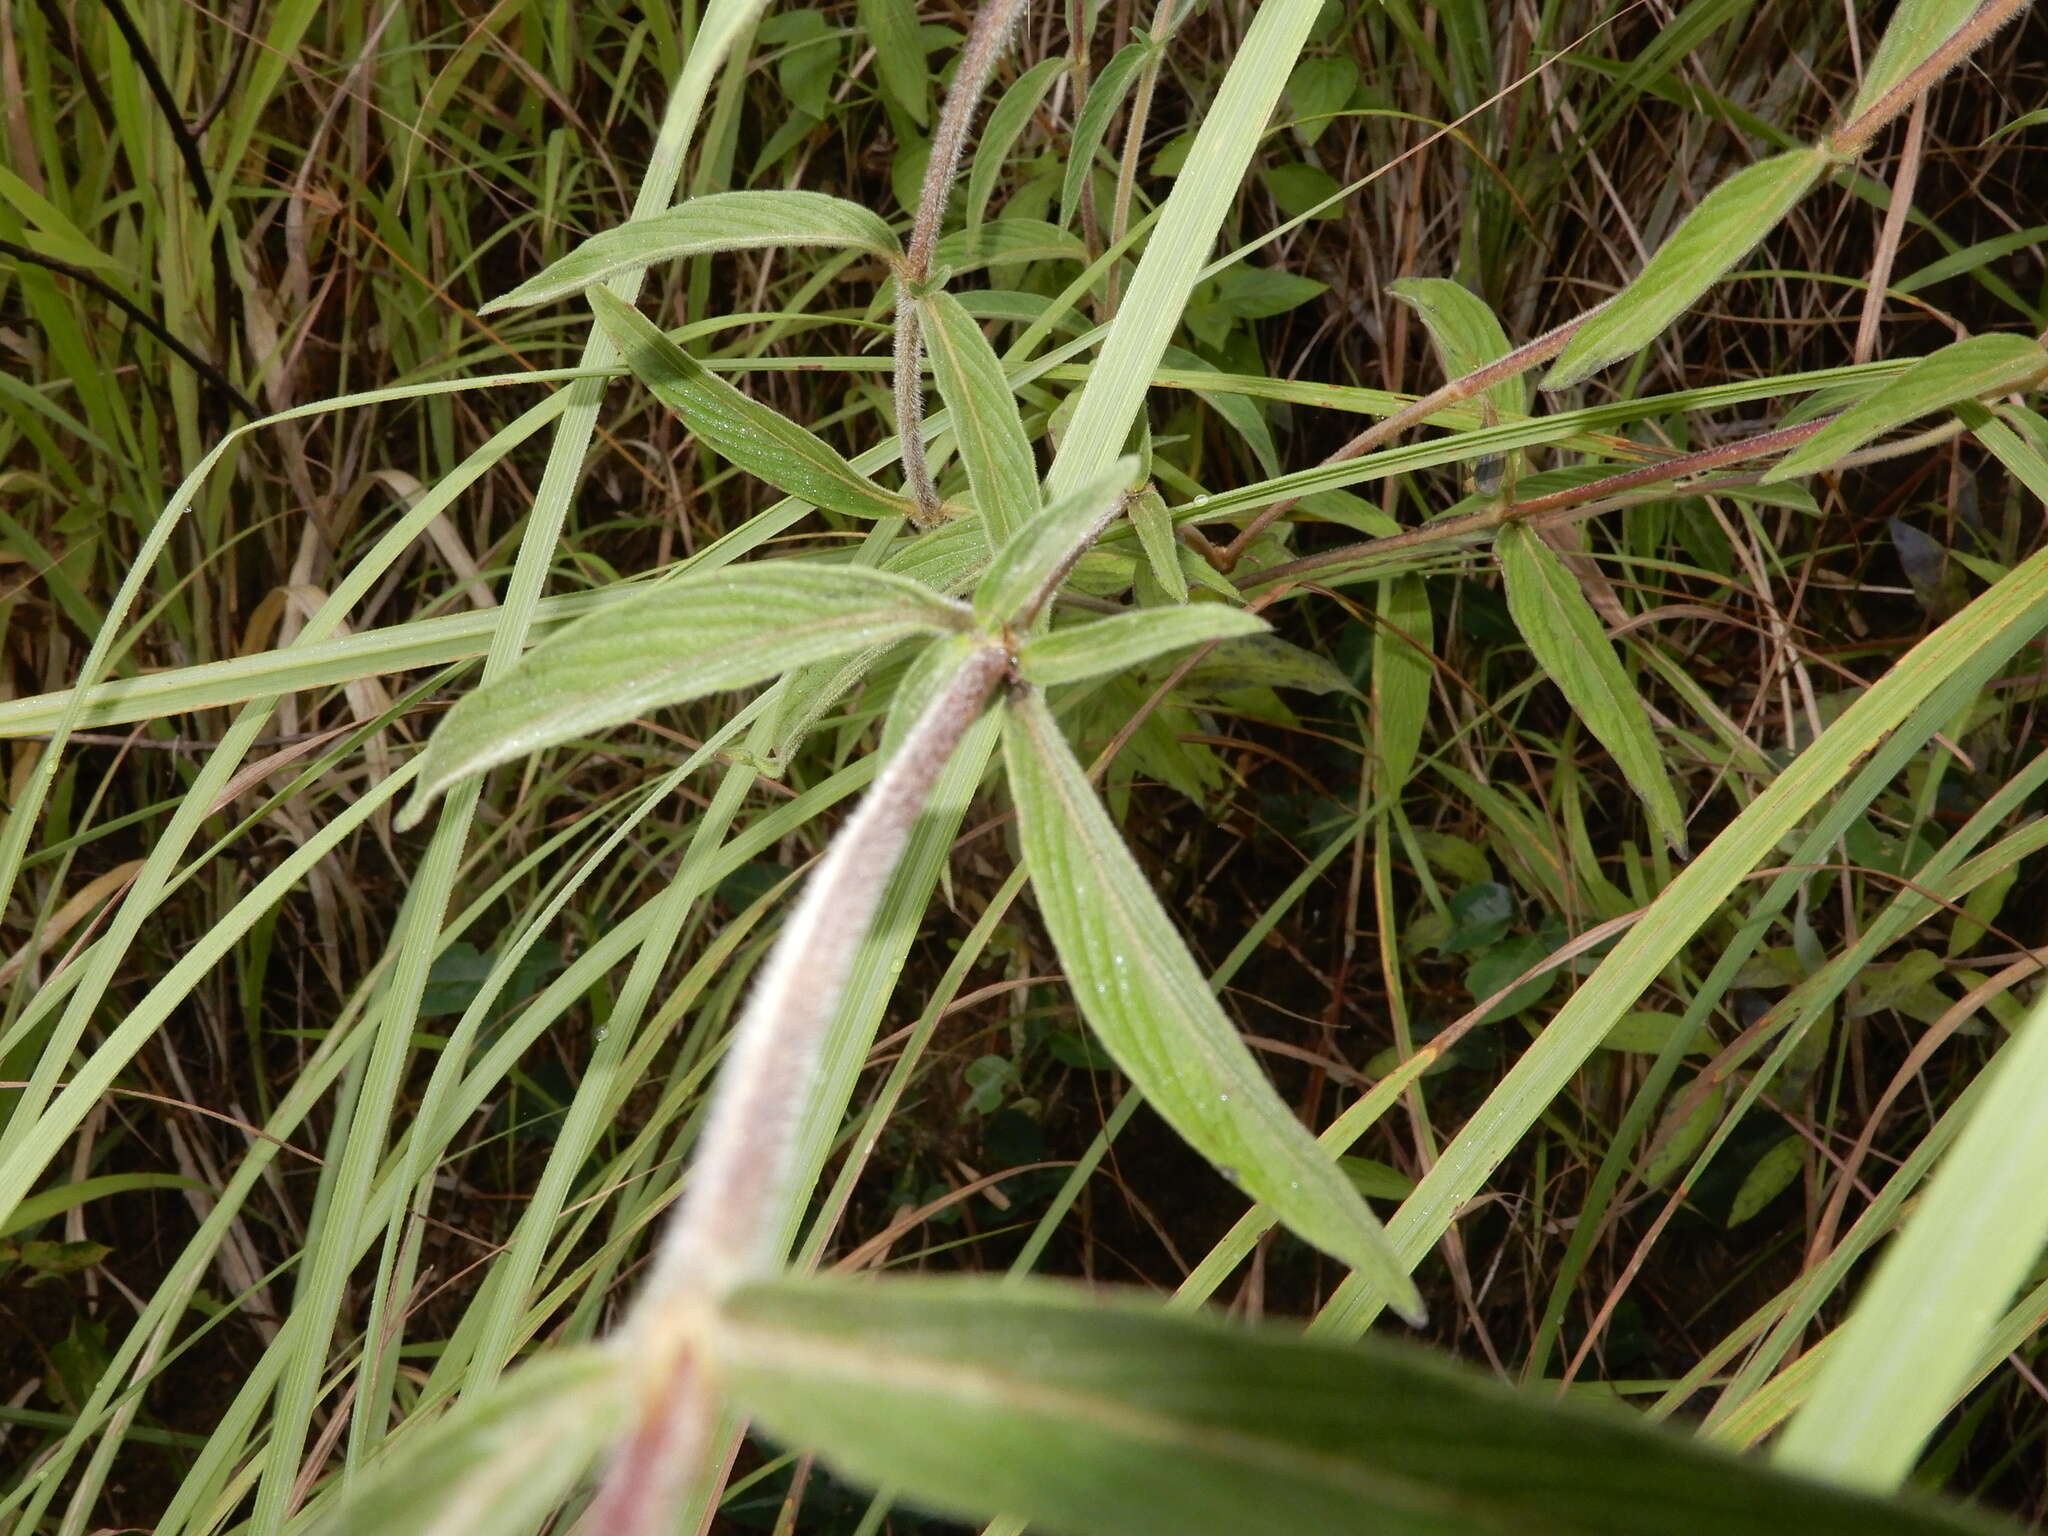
x=892, y=27
x=1105, y=95
x=1005, y=121
x=723, y=221
x=993, y=447
x=1466, y=334
x=1965, y=370
x=1113, y=1417
x=500, y=1461
x=757, y=438
x=1568, y=642
x=686, y=638
x=1033, y=553
x=1114, y=645
x=1154, y=523
x=1727, y=226
x=1401, y=676
x=1916, y=29
x=1141, y=993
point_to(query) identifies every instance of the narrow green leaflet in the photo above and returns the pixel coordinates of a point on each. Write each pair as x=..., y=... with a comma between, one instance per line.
x=1467, y=335
x=1402, y=671
x=1567, y=640
x=1116, y=644
x=758, y=438
x=1154, y=523
x=891, y=25
x=693, y=636
x=1727, y=225
x=1033, y=555
x=501, y=1460
x=1142, y=995
x=1965, y=370
x=1908, y=1349
x=983, y=410
x=1005, y=122
x=1105, y=94
x=723, y=221
x=1916, y=29
x=1107, y=1416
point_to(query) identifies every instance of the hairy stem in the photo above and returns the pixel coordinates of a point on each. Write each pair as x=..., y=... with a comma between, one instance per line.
x=1853, y=136
x=985, y=40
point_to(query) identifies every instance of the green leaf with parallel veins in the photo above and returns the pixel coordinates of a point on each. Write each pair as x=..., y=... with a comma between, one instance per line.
x=696, y=635
x=1142, y=995
x=1964, y=370
x=1728, y=224
x=1109, y=1416
x=1568, y=642
x=1117, y=644
x=1033, y=553
x=1006, y=120
x=723, y=221
x=502, y=1459
x=1105, y=95
x=892, y=27
x=993, y=448
x=756, y=437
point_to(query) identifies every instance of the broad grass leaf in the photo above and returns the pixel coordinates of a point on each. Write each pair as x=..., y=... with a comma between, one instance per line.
x=1567, y=640
x=900, y=60
x=1117, y=644
x=1110, y=1416
x=1034, y=554
x=1727, y=225
x=1148, y=515
x=1105, y=94
x=1964, y=370
x=758, y=438
x=1895, y=1368
x=501, y=1460
x=1145, y=1000
x=993, y=448
x=1006, y=120
x=723, y=221
x=1466, y=334
x=689, y=637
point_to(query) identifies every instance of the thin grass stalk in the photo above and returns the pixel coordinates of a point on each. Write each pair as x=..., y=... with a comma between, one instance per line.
x=985, y=43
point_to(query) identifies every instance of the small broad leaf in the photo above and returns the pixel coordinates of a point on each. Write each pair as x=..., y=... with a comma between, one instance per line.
x=1006, y=120
x=1105, y=95
x=756, y=437
x=723, y=221
x=1110, y=1416
x=1117, y=644
x=1317, y=90
x=1141, y=994
x=1034, y=553
x=1964, y=370
x=1769, y=1177
x=502, y=1460
x=686, y=638
x=1568, y=642
x=993, y=448
x=892, y=27
x=1466, y=334
x=1728, y=224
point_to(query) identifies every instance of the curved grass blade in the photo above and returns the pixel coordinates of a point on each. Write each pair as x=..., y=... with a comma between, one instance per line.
x=1906, y=1353
x=757, y=438
x=1568, y=642
x=723, y=221
x=1142, y=995
x=687, y=638
x=1114, y=1417
x=1965, y=370
x=1728, y=224
x=993, y=448
x=1082, y=651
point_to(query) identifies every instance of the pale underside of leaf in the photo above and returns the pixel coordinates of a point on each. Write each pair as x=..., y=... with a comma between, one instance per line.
x=1128, y=640
x=1140, y=991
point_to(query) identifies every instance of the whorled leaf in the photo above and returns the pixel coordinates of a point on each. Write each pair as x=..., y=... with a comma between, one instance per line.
x=693, y=636
x=1127, y=640
x=756, y=437
x=1568, y=642
x=1728, y=224
x=1964, y=370
x=993, y=448
x=722, y=221
x=1113, y=1417
x=1145, y=1000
